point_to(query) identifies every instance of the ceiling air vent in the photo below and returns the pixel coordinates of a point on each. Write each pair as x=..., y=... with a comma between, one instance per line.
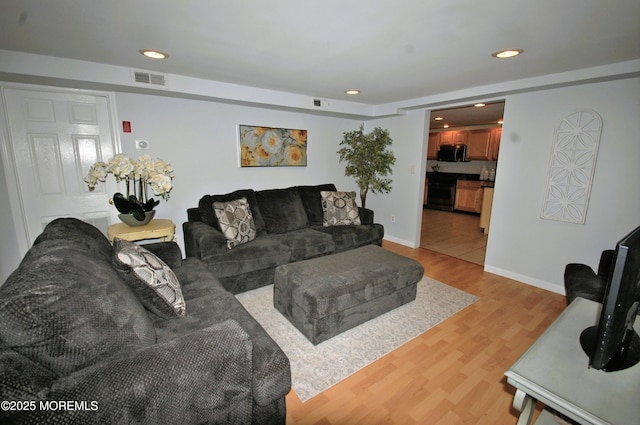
x=143, y=77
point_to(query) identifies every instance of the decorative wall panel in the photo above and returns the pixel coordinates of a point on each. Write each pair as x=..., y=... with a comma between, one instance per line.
x=571, y=167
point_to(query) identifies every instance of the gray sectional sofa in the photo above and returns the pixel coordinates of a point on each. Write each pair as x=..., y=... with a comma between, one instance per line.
x=79, y=346
x=290, y=226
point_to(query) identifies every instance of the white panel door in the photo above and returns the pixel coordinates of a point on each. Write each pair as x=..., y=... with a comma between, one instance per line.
x=54, y=138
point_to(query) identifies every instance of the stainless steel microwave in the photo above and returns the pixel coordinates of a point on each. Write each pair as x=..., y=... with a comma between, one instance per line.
x=453, y=153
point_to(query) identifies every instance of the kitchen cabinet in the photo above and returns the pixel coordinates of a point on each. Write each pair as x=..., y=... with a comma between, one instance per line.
x=484, y=145
x=453, y=137
x=468, y=196
x=433, y=145
x=485, y=213
x=479, y=145
x=496, y=135
x=444, y=138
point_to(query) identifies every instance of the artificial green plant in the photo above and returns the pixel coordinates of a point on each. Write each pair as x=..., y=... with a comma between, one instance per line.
x=368, y=160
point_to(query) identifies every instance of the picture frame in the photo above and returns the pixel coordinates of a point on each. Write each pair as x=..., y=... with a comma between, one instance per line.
x=261, y=146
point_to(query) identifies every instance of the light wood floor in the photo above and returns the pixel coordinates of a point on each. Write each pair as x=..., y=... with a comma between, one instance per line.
x=453, y=233
x=451, y=374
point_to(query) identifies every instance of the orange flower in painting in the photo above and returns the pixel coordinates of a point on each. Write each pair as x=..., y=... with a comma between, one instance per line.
x=300, y=136
x=258, y=131
x=262, y=153
x=295, y=155
x=246, y=157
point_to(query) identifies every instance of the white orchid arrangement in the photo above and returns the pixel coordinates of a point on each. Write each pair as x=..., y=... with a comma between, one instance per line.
x=137, y=176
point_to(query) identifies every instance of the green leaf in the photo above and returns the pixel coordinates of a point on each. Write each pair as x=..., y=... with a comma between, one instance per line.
x=367, y=159
x=138, y=214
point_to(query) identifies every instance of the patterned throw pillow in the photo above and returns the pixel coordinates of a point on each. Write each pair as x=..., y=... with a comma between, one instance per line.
x=150, y=278
x=339, y=208
x=236, y=221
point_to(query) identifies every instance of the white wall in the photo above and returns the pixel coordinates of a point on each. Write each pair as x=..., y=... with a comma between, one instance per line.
x=404, y=201
x=522, y=245
x=200, y=140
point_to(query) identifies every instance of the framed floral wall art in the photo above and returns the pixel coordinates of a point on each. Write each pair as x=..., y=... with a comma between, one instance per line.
x=272, y=147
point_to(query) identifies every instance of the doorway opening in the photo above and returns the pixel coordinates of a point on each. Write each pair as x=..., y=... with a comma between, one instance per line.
x=456, y=230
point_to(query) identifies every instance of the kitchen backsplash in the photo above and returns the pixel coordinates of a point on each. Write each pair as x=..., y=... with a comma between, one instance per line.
x=472, y=167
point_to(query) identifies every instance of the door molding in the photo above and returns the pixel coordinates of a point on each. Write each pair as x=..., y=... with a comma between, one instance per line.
x=11, y=176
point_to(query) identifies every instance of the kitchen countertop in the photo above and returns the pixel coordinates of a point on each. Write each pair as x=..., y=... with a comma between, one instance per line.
x=453, y=176
x=458, y=176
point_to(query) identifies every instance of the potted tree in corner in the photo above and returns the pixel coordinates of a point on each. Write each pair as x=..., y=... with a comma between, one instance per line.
x=368, y=160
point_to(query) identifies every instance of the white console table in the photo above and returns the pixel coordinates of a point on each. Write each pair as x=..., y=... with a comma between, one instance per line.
x=554, y=371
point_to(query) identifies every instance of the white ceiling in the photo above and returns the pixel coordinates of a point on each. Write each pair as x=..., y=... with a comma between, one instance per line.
x=390, y=50
x=467, y=116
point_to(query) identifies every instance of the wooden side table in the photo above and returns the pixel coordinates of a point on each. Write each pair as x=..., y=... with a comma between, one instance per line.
x=156, y=229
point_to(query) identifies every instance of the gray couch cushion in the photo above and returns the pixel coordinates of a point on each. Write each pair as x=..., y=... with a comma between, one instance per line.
x=210, y=303
x=305, y=243
x=66, y=308
x=349, y=237
x=282, y=210
x=21, y=378
x=312, y=202
x=205, y=208
x=259, y=254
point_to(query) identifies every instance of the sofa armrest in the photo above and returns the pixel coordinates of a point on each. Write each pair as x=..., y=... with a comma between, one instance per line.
x=201, y=377
x=201, y=240
x=169, y=252
x=366, y=215
x=193, y=214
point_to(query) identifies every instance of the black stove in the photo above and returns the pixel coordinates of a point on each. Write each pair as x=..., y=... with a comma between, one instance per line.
x=441, y=191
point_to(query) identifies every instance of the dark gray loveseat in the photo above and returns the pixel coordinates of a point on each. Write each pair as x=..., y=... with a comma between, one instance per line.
x=78, y=347
x=289, y=225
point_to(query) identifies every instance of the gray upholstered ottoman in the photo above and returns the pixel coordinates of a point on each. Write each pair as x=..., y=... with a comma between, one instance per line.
x=325, y=296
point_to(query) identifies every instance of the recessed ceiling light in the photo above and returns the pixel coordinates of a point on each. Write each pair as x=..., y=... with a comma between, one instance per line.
x=154, y=54
x=438, y=119
x=446, y=126
x=480, y=105
x=500, y=122
x=508, y=53
x=352, y=91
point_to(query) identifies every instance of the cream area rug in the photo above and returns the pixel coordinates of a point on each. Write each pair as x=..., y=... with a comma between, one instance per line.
x=314, y=368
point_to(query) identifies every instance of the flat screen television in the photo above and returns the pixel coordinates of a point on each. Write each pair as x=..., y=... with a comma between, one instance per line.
x=613, y=344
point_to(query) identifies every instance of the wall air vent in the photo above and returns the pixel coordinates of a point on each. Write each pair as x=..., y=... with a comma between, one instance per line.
x=321, y=103
x=144, y=77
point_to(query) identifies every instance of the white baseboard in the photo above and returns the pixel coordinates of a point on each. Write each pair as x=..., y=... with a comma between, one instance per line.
x=548, y=286
x=553, y=287
x=400, y=241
